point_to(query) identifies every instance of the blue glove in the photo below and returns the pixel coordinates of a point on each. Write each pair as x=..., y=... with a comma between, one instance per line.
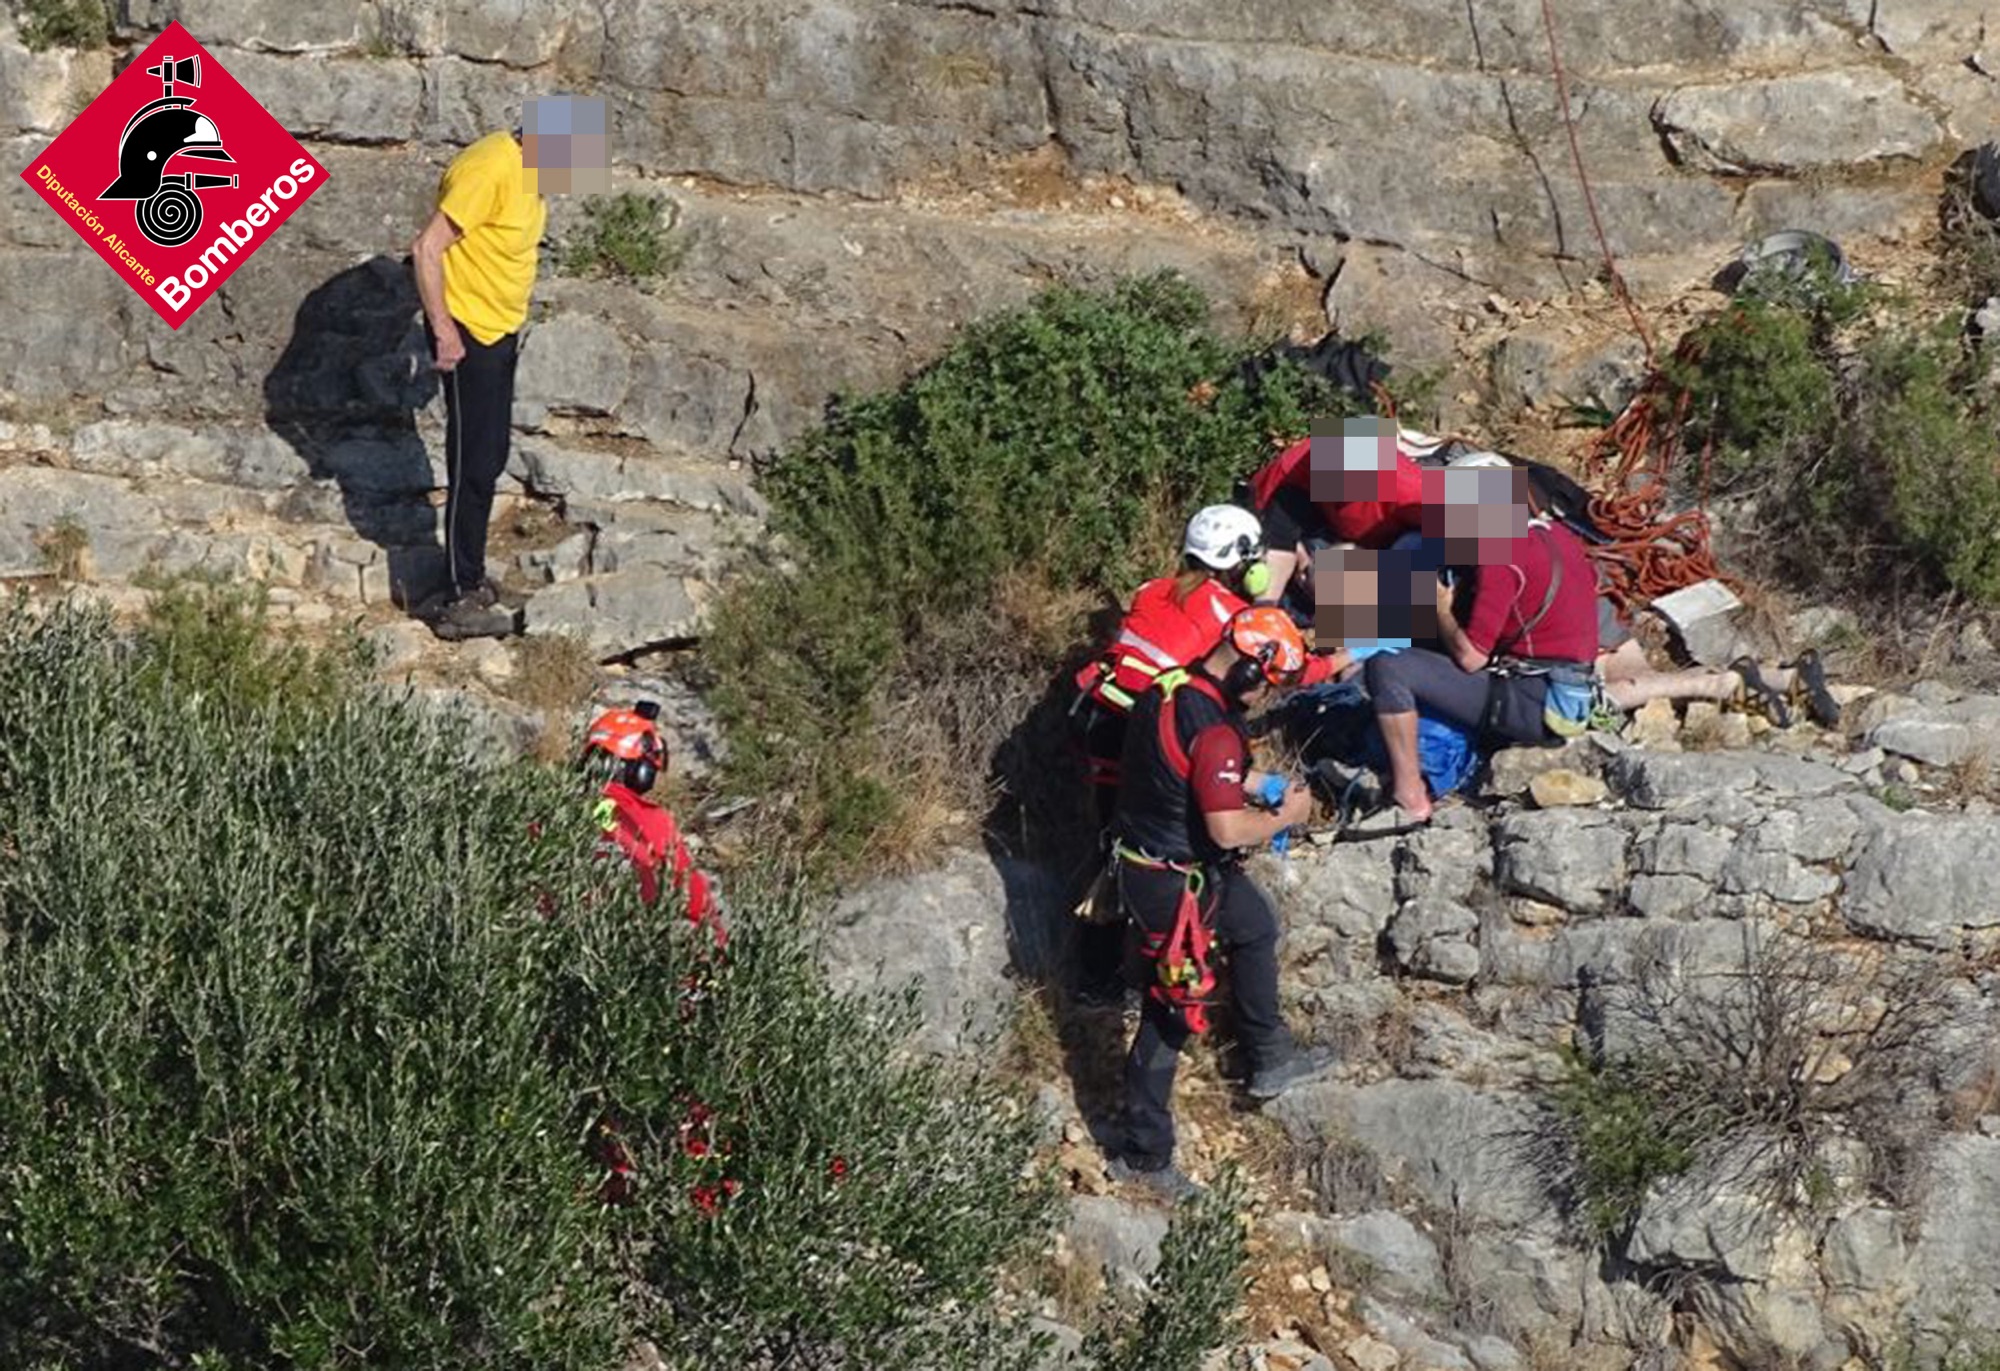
x=1272, y=794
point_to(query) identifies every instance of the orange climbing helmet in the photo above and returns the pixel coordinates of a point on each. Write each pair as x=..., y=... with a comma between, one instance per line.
x=625, y=745
x=1266, y=635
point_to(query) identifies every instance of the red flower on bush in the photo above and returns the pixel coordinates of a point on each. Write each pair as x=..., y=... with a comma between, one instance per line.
x=836, y=1170
x=695, y=1147
x=709, y=1199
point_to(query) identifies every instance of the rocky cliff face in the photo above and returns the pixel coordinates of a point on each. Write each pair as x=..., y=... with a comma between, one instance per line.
x=857, y=179
x=1454, y=967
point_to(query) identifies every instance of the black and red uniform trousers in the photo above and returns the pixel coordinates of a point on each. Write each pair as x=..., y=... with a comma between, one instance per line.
x=1245, y=930
x=1190, y=900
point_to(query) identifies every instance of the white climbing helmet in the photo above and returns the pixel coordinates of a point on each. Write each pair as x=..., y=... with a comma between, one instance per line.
x=1224, y=537
x=1479, y=459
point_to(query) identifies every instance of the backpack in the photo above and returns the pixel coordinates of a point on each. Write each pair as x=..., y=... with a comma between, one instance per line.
x=1337, y=722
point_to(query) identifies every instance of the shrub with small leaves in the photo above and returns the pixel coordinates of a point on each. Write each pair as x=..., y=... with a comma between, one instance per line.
x=627, y=235
x=1760, y=393
x=1927, y=452
x=1196, y=1293
x=326, y=1049
x=48, y=24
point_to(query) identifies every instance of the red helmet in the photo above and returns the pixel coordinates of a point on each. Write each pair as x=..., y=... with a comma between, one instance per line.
x=1267, y=636
x=625, y=745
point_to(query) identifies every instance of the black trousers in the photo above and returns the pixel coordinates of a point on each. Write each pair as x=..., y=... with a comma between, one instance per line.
x=479, y=424
x=1245, y=928
x=1507, y=709
x=1101, y=946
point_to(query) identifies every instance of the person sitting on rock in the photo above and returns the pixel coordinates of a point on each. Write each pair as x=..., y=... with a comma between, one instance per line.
x=1187, y=811
x=1520, y=669
x=1360, y=489
x=1174, y=621
x=626, y=751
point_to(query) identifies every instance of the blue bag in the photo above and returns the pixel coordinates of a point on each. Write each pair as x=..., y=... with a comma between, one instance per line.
x=1338, y=721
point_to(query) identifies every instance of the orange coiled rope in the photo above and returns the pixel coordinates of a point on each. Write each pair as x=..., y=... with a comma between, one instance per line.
x=1650, y=551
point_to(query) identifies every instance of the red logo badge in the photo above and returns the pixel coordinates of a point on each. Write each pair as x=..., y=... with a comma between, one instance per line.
x=175, y=174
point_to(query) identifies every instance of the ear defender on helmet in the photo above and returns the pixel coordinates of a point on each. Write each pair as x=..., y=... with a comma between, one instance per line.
x=1227, y=539
x=624, y=745
x=1257, y=577
x=640, y=775
x=1269, y=643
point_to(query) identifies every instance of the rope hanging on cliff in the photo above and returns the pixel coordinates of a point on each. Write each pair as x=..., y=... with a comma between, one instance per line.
x=1616, y=278
x=1648, y=552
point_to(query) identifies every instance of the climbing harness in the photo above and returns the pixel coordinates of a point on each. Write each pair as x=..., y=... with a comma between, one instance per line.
x=1183, y=980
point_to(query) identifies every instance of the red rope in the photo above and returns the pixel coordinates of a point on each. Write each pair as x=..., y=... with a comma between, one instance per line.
x=1583, y=181
x=1649, y=552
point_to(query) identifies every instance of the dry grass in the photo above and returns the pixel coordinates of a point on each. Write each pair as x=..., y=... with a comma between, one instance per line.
x=64, y=547
x=525, y=525
x=1287, y=303
x=553, y=675
x=1975, y=1099
x=1396, y=1036
x=1969, y=778
x=948, y=73
x=1347, y=1177
x=1034, y=1048
x=1073, y=1286
x=1703, y=731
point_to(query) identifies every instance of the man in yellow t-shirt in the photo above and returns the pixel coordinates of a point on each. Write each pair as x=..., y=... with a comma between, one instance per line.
x=475, y=264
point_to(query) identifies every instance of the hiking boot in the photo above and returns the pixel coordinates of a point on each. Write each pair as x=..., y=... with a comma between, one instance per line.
x=1810, y=682
x=472, y=615
x=1166, y=1180
x=485, y=595
x=1269, y=1082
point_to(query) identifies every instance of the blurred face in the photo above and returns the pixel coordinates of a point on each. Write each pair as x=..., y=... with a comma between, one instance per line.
x=1361, y=596
x=565, y=146
x=1356, y=462
x=1476, y=513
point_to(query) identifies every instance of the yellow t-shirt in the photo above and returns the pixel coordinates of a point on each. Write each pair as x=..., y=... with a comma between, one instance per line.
x=490, y=270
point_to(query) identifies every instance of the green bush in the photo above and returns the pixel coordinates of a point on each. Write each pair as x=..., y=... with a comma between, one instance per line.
x=217, y=637
x=1621, y=1121
x=63, y=23
x=1760, y=392
x=627, y=236
x=1874, y=458
x=1927, y=459
x=1196, y=1293
x=949, y=532
x=311, y=1027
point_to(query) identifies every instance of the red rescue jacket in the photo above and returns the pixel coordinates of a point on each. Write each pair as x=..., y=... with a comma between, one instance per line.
x=1160, y=633
x=647, y=834
x=1365, y=523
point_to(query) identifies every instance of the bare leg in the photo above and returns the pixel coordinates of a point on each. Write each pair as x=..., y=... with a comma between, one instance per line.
x=1631, y=692
x=1406, y=777
x=1627, y=662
